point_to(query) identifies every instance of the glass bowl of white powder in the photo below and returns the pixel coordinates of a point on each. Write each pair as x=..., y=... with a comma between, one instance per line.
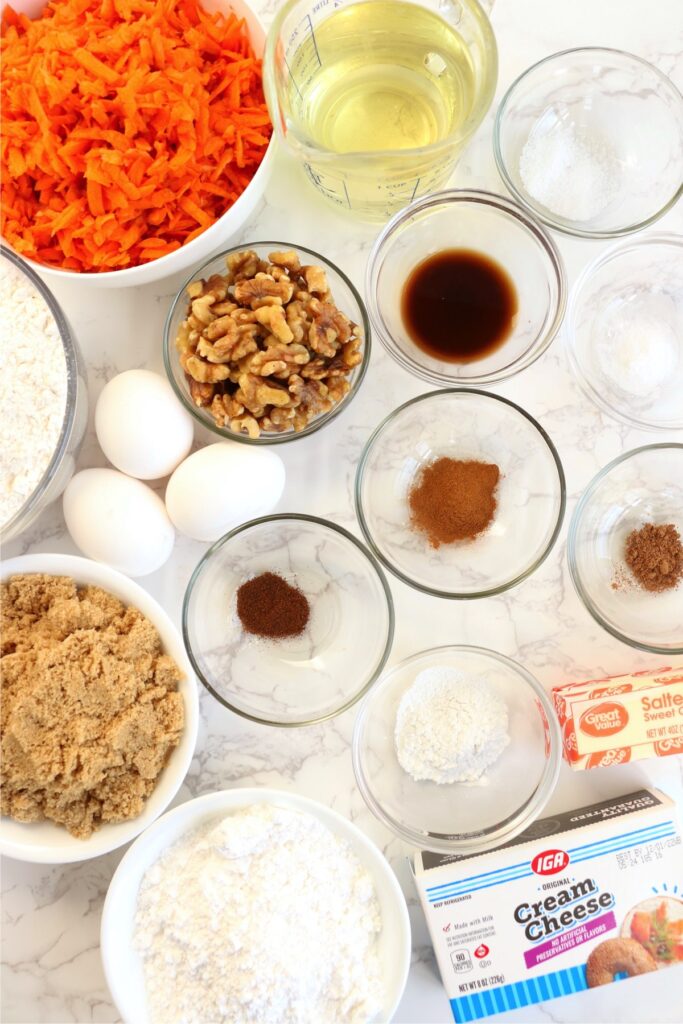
x=624, y=332
x=43, y=397
x=456, y=749
x=591, y=140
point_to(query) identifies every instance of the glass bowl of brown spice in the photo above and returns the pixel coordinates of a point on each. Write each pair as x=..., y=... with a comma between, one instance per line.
x=288, y=620
x=625, y=548
x=460, y=493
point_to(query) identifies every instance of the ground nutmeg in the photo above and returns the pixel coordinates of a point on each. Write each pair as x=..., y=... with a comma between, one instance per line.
x=453, y=499
x=654, y=554
x=269, y=606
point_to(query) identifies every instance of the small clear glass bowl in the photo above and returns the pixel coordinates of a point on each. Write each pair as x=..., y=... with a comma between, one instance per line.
x=62, y=464
x=346, y=297
x=302, y=679
x=642, y=486
x=488, y=224
x=626, y=123
x=470, y=425
x=457, y=817
x=632, y=288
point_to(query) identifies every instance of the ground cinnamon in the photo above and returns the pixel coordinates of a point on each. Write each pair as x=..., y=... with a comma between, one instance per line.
x=453, y=500
x=654, y=554
x=268, y=606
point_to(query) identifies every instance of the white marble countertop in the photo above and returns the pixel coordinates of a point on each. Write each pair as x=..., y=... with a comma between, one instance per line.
x=51, y=915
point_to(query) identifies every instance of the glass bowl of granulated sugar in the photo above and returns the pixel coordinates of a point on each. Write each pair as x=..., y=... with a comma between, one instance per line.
x=43, y=397
x=591, y=141
x=456, y=749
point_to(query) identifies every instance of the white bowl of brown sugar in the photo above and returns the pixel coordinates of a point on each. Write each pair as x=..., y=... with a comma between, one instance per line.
x=99, y=709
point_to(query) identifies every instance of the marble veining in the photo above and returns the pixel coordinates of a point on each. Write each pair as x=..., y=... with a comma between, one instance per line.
x=51, y=970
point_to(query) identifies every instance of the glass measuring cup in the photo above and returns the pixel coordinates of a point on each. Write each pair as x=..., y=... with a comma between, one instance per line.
x=377, y=98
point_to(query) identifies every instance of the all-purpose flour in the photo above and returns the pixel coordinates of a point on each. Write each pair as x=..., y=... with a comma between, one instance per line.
x=33, y=386
x=262, y=917
x=450, y=727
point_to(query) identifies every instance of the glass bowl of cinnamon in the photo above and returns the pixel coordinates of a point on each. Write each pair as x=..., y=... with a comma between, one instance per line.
x=625, y=548
x=460, y=493
x=288, y=620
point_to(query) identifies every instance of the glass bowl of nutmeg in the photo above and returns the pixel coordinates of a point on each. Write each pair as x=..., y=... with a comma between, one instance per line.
x=288, y=620
x=625, y=548
x=266, y=342
x=460, y=493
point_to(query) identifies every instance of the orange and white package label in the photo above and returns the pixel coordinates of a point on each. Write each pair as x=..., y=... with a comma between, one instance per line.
x=621, y=718
x=579, y=899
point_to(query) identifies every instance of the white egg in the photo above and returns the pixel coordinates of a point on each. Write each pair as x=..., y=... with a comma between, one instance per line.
x=115, y=519
x=221, y=486
x=142, y=428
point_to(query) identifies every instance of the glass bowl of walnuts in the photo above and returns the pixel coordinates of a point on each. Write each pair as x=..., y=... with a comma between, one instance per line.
x=266, y=342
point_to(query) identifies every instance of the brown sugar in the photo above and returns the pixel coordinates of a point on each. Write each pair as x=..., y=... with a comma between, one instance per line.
x=453, y=500
x=90, y=704
x=654, y=554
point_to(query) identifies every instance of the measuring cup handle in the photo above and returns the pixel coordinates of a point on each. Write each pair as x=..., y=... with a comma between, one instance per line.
x=452, y=11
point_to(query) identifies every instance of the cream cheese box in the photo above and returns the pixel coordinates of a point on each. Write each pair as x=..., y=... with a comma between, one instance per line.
x=577, y=900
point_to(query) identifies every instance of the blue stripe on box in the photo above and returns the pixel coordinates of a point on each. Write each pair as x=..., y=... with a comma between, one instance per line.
x=488, y=1002
x=622, y=835
x=486, y=874
x=518, y=994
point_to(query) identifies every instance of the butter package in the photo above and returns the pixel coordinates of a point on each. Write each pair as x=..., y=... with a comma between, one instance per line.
x=577, y=900
x=621, y=718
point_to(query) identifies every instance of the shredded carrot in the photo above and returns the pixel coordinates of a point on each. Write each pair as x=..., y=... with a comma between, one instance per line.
x=128, y=128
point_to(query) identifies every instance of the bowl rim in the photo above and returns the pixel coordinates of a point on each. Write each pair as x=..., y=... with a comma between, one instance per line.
x=509, y=208
x=622, y=248
x=564, y=226
x=72, y=360
x=228, y=800
x=318, y=522
x=285, y=436
x=472, y=843
x=433, y=591
x=574, y=524
x=86, y=571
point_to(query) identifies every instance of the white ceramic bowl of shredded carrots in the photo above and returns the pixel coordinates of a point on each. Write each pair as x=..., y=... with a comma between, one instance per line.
x=136, y=137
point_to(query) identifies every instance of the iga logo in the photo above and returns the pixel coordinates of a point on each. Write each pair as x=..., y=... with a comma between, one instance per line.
x=550, y=862
x=606, y=719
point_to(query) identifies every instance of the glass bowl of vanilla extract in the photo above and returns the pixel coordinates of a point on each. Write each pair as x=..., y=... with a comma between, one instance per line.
x=465, y=287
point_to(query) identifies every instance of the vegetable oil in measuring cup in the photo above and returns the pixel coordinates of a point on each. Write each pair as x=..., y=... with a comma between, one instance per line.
x=381, y=75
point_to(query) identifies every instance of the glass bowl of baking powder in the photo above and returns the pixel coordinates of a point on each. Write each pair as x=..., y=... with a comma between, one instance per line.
x=422, y=805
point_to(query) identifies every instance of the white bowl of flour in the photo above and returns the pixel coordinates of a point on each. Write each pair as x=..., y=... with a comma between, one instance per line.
x=207, y=888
